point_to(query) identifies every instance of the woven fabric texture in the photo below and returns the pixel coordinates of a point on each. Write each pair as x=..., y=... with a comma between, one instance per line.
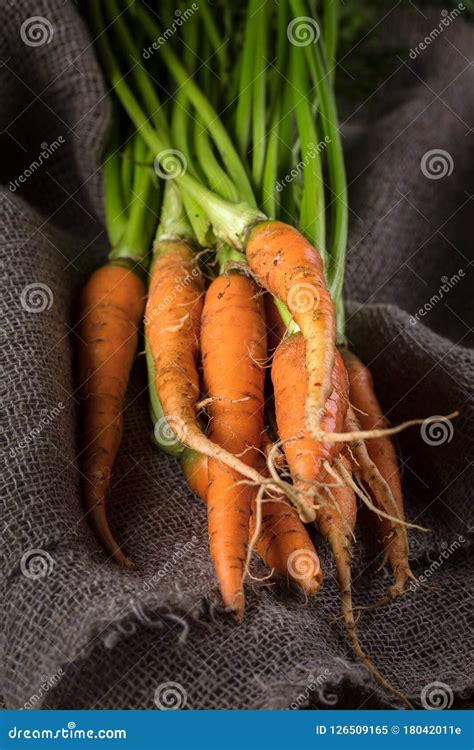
x=76, y=631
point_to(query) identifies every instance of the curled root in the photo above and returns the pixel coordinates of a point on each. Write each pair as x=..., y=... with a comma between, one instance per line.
x=345, y=437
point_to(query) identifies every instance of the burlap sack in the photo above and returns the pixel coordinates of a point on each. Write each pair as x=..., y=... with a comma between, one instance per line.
x=79, y=632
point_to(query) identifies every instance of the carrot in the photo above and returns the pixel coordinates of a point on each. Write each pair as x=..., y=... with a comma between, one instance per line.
x=276, y=328
x=172, y=329
x=111, y=307
x=382, y=452
x=233, y=350
x=283, y=543
x=195, y=469
x=336, y=519
x=305, y=455
x=172, y=323
x=290, y=268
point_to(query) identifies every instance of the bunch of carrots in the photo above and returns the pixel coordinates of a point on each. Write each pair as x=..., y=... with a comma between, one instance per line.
x=251, y=381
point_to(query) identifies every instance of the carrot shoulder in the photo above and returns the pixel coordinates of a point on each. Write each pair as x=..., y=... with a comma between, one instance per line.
x=111, y=308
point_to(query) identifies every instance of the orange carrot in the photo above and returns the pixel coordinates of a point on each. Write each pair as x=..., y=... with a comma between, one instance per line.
x=276, y=328
x=111, y=307
x=304, y=455
x=172, y=328
x=290, y=268
x=382, y=452
x=283, y=544
x=233, y=350
x=336, y=519
x=172, y=322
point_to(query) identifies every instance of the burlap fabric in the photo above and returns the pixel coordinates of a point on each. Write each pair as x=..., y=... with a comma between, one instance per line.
x=79, y=632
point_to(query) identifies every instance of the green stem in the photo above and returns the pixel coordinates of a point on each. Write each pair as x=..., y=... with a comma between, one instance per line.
x=180, y=121
x=336, y=168
x=136, y=240
x=312, y=214
x=144, y=84
x=217, y=178
x=330, y=32
x=243, y=113
x=114, y=201
x=226, y=254
x=173, y=219
x=126, y=174
x=270, y=172
x=259, y=96
x=216, y=42
x=286, y=316
x=206, y=111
